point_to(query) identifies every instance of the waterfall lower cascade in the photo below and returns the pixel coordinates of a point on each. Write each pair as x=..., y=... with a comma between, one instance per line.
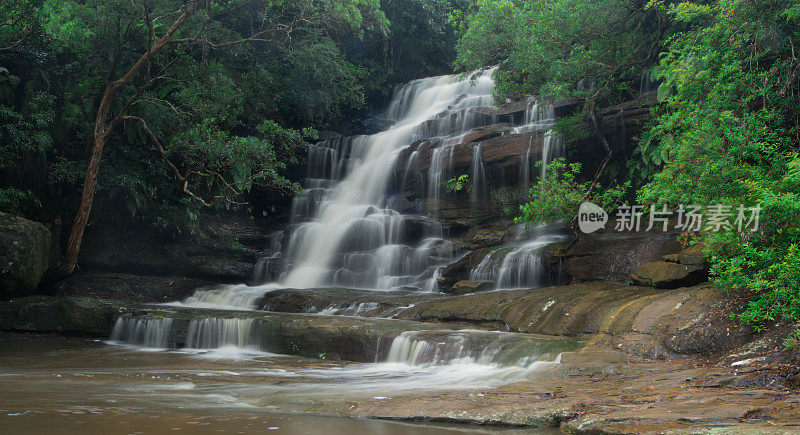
x=201, y=333
x=473, y=347
x=147, y=331
x=415, y=348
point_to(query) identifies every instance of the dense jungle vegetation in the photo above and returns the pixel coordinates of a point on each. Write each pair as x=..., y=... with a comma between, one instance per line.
x=219, y=113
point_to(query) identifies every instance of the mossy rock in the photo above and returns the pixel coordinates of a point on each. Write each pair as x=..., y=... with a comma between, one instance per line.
x=466, y=286
x=25, y=255
x=663, y=274
x=694, y=255
x=85, y=316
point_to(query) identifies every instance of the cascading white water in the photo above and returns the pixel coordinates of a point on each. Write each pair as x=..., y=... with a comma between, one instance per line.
x=346, y=230
x=227, y=296
x=478, y=174
x=348, y=235
x=541, y=118
x=202, y=333
x=474, y=347
x=214, y=332
x=441, y=161
x=147, y=331
x=359, y=309
x=552, y=147
x=520, y=267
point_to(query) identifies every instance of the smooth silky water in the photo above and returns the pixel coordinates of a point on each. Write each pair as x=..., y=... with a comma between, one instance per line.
x=71, y=385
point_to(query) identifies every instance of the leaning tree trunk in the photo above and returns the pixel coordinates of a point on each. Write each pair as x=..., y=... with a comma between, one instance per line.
x=103, y=127
x=101, y=133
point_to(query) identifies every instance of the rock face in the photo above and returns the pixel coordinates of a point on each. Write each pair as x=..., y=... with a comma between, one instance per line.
x=127, y=287
x=460, y=270
x=25, y=255
x=225, y=251
x=689, y=320
x=610, y=256
x=663, y=274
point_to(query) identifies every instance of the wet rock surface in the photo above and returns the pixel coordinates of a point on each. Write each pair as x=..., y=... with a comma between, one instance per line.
x=70, y=315
x=331, y=299
x=643, y=320
x=610, y=256
x=466, y=286
x=694, y=256
x=596, y=391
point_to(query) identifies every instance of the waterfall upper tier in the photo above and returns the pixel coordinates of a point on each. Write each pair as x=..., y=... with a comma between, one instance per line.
x=369, y=215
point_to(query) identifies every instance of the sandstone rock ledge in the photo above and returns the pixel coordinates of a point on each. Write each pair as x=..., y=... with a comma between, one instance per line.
x=600, y=393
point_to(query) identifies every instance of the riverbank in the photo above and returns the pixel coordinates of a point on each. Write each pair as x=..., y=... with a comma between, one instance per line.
x=648, y=360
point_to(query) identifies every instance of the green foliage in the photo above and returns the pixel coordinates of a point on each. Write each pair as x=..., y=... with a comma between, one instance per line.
x=727, y=133
x=547, y=47
x=239, y=113
x=419, y=41
x=793, y=340
x=457, y=184
x=560, y=193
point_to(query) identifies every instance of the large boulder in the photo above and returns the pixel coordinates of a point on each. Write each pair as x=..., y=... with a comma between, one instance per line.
x=663, y=274
x=73, y=315
x=25, y=255
x=694, y=255
x=461, y=269
x=610, y=255
x=466, y=286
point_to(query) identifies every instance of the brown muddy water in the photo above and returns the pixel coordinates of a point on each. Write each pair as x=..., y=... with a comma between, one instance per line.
x=52, y=384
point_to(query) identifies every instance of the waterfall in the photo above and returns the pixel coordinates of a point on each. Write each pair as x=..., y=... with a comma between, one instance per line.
x=438, y=174
x=271, y=261
x=227, y=296
x=521, y=267
x=552, y=147
x=346, y=234
x=478, y=173
x=475, y=347
x=539, y=117
x=202, y=333
x=213, y=332
x=147, y=331
x=357, y=310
